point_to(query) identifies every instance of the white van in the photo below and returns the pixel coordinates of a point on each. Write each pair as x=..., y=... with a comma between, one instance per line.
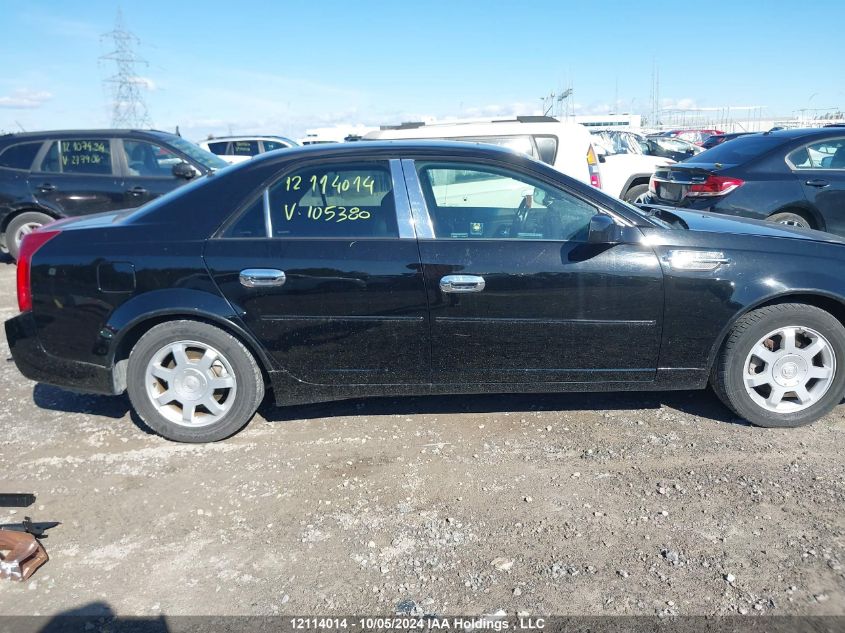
x=568, y=147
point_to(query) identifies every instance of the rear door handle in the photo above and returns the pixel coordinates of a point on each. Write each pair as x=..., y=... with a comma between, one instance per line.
x=262, y=277
x=461, y=283
x=46, y=187
x=817, y=182
x=136, y=191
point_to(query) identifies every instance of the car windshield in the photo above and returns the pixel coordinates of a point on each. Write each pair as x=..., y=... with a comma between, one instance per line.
x=195, y=152
x=739, y=150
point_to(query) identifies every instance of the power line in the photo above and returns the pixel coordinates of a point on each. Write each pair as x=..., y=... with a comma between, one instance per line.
x=128, y=106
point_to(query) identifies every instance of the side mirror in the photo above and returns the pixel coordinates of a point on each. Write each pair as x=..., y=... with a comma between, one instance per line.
x=603, y=230
x=183, y=170
x=602, y=158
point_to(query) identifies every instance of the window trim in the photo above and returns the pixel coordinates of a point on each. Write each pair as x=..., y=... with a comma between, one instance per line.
x=423, y=217
x=399, y=192
x=806, y=146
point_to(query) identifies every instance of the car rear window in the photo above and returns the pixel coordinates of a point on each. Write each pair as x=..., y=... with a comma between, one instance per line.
x=739, y=150
x=19, y=156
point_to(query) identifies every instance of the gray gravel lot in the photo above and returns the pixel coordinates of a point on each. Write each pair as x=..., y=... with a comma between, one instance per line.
x=571, y=504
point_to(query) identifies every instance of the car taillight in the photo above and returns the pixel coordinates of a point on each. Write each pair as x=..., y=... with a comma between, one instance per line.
x=593, y=166
x=714, y=186
x=30, y=244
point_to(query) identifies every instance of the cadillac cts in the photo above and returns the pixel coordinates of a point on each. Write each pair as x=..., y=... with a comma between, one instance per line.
x=381, y=268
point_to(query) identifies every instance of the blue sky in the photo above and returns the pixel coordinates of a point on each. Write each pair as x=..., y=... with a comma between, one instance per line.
x=280, y=67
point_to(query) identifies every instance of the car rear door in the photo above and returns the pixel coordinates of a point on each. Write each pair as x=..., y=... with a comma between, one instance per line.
x=820, y=168
x=516, y=293
x=327, y=276
x=77, y=176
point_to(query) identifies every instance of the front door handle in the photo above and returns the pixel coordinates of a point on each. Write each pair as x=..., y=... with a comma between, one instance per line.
x=136, y=191
x=262, y=277
x=817, y=182
x=46, y=187
x=461, y=283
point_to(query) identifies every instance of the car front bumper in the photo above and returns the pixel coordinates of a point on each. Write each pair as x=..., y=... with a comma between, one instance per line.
x=34, y=362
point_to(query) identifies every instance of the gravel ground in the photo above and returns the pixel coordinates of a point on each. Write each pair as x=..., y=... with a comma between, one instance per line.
x=573, y=504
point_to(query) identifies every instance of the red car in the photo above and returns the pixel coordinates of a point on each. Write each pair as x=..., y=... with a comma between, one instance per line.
x=693, y=136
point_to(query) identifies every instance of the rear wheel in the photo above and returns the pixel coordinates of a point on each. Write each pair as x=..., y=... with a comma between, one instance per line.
x=20, y=226
x=782, y=365
x=193, y=382
x=791, y=219
x=636, y=194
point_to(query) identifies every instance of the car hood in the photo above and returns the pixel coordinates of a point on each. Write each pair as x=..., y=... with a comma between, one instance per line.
x=718, y=223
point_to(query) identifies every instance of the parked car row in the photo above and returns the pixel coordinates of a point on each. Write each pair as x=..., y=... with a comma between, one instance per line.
x=362, y=269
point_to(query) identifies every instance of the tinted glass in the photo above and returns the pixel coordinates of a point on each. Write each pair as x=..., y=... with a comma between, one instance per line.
x=739, y=150
x=349, y=200
x=244, y=148
x=19, y=156
x=829, y=154
x=218, y=148
x=478, y=202
x=147, y=159
x=269, y=146
x=84, y=156
x=250, y=223
x=50, y=162
x=546, y=148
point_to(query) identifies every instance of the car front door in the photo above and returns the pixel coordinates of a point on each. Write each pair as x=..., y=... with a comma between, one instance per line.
x=516, y=293
x=77, y=177
x=147, y=169
x=820, y=168
x=327, y=277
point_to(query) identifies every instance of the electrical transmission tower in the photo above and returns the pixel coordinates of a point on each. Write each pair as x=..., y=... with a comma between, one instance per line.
x=129, y=109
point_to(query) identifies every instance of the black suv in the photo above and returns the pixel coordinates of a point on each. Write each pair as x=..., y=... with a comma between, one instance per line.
x=45, y=176
x=794, y=177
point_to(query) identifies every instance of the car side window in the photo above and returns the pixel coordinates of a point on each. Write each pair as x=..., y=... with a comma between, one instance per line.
x=269, y=146
x=19, y=156
x=349, y=200
x=148, y=159
x=79, y=156
x=219, y=148
x=244, y=148
x=468, y=201
x=828, y=154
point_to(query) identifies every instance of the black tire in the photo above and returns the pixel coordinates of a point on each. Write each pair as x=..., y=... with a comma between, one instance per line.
x=791, y=219
x=250, y=383
x=726, y=377
x=635, y=192
x=19, y=221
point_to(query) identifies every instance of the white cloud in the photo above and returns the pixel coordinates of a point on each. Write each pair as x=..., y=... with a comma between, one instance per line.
x=25, y=99
x=146, y=82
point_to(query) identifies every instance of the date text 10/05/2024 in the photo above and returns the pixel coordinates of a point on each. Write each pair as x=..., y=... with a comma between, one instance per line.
x=410, y=623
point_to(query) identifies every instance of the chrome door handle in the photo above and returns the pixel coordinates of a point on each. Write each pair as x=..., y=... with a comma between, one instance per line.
x=262, y=277
x=817, y=182
x=461, y=283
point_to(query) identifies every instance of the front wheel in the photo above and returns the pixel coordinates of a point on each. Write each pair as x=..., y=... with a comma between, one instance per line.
x=193, y=382
x=20, y=226
x=782, y=365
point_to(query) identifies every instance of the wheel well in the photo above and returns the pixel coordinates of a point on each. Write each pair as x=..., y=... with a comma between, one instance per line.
x=131, y=337
x=828, y=304
x=636, y=181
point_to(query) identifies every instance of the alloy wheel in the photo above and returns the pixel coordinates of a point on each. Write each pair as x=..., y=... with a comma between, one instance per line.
x=191, y=383
x=789, y=369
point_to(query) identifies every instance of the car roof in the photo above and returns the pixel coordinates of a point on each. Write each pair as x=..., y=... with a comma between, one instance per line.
x=807, y=132
x=108, y=132
x=246, y=137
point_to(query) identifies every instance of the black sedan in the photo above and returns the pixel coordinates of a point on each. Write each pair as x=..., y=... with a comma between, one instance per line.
x=342, y=271
x=795, y=177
